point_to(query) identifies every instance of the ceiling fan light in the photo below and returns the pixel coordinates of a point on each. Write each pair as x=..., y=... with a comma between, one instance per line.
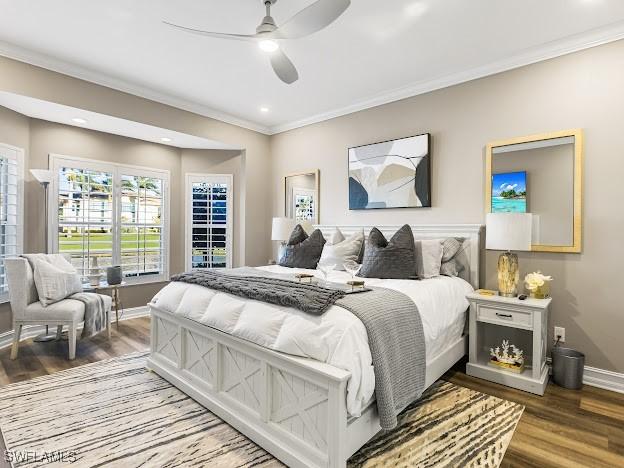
x=267, y=45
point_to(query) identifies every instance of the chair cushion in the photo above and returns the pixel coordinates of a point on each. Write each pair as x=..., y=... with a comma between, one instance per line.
x=34, y=281
x=55, y=281
x=67, y=309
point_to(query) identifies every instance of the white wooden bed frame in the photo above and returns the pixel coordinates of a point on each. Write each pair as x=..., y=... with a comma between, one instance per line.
x=293, y=407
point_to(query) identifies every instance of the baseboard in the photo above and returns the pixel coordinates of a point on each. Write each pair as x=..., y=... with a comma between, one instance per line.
x=605, y=379
x=594, y=377
x=6, y=338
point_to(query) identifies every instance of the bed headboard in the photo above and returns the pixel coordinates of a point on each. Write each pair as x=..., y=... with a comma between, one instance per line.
x=470, y=232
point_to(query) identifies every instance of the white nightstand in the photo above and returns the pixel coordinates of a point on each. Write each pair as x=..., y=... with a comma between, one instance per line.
x=524, y=323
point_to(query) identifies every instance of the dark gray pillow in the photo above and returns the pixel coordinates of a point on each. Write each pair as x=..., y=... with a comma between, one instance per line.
x=394, y=259
x=302, y=251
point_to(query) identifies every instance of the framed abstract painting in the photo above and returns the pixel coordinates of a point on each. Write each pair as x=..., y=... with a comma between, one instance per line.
x=391, y=174
x=509, y=192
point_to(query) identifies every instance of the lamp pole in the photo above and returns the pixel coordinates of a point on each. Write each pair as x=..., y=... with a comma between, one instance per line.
x=44, y=177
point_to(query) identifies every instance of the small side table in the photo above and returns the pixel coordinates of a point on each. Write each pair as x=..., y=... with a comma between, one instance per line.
x=496, y=317
x=115, y=295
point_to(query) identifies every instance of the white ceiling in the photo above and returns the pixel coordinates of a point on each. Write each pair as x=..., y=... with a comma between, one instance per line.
x=378, y=51
x=53, y=112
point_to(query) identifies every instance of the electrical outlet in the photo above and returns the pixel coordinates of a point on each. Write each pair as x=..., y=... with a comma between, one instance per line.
x=560, y=331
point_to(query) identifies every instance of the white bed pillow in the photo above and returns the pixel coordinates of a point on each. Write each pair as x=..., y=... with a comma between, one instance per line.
x=339, y=250
x=428, y=258
x=55, y=279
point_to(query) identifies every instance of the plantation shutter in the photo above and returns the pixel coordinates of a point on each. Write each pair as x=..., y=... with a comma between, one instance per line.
x=10, y=242
x=209, y=214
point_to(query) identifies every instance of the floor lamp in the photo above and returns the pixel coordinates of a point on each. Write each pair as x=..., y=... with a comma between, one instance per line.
x=44, y=177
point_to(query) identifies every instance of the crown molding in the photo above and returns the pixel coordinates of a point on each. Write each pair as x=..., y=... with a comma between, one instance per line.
x=571, y=44
x=40, y=60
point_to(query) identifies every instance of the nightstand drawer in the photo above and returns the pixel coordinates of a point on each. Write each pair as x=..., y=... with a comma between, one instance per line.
x=505, y=317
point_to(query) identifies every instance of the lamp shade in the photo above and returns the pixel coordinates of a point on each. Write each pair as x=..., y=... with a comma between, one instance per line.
x=508, y=231
x=282, y=228
x=43, y=176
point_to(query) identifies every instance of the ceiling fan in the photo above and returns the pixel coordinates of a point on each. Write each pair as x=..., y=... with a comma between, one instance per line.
x=268, y=34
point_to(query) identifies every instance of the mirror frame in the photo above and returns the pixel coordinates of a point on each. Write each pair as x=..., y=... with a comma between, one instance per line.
x=316, y=173
x=576, y=246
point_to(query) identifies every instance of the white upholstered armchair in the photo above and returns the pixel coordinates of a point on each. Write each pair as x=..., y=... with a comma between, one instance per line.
x=27, y=310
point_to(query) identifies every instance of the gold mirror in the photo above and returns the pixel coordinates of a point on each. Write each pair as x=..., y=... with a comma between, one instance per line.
x=301, y=196
x=542, y=175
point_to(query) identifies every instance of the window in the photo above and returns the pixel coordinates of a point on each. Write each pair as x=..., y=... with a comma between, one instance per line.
x=208, y=221
x=111, y=214
x=11, y=214
x=141, y=225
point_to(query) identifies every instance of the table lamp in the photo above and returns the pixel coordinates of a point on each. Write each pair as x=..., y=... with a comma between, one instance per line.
x=281, y=230
x=508, y=231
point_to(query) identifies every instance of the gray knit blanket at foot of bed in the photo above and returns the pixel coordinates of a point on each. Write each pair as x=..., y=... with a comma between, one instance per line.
x=392, y=321
x=397, y=343
x=259, y=285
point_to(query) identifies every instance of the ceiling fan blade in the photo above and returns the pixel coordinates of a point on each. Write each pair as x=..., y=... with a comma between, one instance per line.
x=283, y=67
x=312, y=19
x=237, y=37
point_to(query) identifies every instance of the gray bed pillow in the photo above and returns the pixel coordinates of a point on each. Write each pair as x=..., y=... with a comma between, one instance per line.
x=302, y=251
x=393, y=259
x=455, y=261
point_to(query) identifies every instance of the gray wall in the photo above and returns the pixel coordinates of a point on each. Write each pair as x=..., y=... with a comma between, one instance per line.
x=579, y=90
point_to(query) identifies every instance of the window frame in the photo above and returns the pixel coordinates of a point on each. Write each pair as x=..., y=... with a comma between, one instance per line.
x=194, y=177
x=20, y=156
x=117, y=169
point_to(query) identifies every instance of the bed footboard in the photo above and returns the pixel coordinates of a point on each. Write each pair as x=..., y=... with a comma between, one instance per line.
x=292, y=407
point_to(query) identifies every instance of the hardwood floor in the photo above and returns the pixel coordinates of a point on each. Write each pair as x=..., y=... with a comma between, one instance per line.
x=564, y=428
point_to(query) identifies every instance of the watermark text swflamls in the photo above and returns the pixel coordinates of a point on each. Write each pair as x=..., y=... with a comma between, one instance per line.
x=30, y=456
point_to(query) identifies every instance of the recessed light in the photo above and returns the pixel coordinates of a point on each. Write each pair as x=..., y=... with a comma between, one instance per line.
x=264, y=110
x=268, y=45
x=165, y=139
x=80, y=121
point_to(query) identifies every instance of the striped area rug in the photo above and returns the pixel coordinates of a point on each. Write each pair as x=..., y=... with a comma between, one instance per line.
x=115, y=413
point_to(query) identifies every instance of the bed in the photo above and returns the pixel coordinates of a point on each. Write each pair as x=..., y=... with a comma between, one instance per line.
x=302, y=410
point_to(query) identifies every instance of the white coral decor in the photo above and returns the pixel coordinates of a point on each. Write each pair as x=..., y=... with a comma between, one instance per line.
x=534, y=281
x=515, y=357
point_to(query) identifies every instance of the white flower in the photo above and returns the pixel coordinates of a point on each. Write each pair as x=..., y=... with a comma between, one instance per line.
x=535, y=280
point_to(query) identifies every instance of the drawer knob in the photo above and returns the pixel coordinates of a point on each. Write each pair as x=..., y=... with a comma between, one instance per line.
x=507, y=316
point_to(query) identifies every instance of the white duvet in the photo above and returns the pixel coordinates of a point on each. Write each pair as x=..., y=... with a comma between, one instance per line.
x=337, y=337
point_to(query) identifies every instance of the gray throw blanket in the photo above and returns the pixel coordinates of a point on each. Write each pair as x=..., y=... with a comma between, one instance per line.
x=397, y=343
x=266, y=287
x=95, y=313
x=392, y=322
